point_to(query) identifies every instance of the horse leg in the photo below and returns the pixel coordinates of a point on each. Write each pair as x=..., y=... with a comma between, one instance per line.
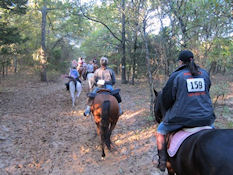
x=102, y=139
x=72, y=91
x=170, y=170
x=102, y=146
x=113, y=124
x=89, y=82
x=78, y=88
x=98, y=128
x=89, y=76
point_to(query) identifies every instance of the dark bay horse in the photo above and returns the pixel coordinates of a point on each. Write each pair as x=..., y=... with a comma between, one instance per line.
x=105, y=110
x=207, y=152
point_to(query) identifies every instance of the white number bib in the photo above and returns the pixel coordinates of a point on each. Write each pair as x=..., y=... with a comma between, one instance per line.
x=196, y=85
x=100, y=82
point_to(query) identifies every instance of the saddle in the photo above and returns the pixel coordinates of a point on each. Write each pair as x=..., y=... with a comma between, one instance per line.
x=72, y=79
x=114, y=93
x=175, y=139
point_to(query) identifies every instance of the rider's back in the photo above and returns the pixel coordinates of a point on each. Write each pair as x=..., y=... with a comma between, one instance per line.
x=192, y=106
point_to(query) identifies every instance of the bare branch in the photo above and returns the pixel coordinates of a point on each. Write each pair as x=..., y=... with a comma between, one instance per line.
x=95, y=20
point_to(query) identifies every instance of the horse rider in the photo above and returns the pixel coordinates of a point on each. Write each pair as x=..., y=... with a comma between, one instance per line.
x=104, y=77
x=90, y=67
x=73, y=73
x=94, y=62
x=80, y=63
x=186, y=100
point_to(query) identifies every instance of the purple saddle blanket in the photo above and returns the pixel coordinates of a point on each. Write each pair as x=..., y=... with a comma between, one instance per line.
x=178, y=138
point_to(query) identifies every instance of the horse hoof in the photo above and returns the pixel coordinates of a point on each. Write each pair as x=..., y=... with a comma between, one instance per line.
x=113, y=147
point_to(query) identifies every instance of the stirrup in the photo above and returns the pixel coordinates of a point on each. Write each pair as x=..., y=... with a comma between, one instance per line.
x=161, y=165
x=121, y=113
x=87, y=113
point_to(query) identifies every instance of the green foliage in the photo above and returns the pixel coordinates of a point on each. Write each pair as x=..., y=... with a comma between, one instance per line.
x=226, y=110
x=14, y=6
x=203, y=26
x=218, y=90
x=221, y=52
x=230, y=124
x=9, y=33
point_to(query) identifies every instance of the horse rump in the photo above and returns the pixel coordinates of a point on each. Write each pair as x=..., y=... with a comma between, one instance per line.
x=208, y=152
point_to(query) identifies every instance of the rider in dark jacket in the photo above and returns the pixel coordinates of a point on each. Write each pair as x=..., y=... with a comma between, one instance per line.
x=186, y=100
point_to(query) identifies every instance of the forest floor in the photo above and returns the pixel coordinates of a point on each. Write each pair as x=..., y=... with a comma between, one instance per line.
x=41, y=133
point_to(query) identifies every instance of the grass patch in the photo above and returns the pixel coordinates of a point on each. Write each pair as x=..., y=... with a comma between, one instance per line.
x=230, y=124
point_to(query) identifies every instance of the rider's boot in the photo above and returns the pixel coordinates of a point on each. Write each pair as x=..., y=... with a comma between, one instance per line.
x=120, y=110
x=87, y=111
x=161, y=146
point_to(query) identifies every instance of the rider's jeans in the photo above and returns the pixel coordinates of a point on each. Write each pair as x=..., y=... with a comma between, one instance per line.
x=162, y=129
x=107, y=86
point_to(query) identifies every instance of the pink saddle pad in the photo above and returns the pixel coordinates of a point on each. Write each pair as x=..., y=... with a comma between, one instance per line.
x=178, y=138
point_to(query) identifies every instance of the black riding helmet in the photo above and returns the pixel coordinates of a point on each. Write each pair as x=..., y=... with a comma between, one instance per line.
x=185, y=56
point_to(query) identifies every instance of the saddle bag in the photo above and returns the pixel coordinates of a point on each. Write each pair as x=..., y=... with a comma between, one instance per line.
x=91, y=95
x=116, y=94
x=67, y=86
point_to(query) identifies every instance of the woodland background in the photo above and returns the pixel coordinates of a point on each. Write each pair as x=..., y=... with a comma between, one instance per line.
x=41, y=133
x=141, y=38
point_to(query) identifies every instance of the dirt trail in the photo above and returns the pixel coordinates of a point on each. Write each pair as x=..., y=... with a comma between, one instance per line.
x=40, y=133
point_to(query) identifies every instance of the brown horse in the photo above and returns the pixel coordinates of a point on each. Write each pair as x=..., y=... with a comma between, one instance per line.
x=207, y=152
x=105, y=110
x=81, y=71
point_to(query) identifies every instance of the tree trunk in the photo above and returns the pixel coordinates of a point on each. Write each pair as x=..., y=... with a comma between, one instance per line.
x=3, y=69
x=128, y=73
x=134, y=58
x=123, y=60
x=212, y=67
x=15, y=64
x=43, y=35
x=134, y=69
x=150, y=80
x=43, y=74
x=7, y=63
x=135, y=40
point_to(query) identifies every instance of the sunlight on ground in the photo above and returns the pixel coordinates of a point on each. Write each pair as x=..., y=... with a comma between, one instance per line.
x=131, y=114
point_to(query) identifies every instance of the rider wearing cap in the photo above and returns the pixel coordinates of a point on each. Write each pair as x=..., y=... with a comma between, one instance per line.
x=186, y=100
x=73, y=73
x=104, y=77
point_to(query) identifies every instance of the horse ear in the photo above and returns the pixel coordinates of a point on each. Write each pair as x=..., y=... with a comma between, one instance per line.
x=156, y=93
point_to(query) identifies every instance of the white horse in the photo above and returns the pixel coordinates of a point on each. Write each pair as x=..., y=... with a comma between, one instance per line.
x=72, y=88
x=89, y=78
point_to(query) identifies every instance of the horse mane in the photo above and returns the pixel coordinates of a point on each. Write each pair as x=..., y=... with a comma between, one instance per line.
x=159, y=109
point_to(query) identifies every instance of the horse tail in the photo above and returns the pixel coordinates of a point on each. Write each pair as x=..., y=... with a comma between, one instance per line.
x=104, y=124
